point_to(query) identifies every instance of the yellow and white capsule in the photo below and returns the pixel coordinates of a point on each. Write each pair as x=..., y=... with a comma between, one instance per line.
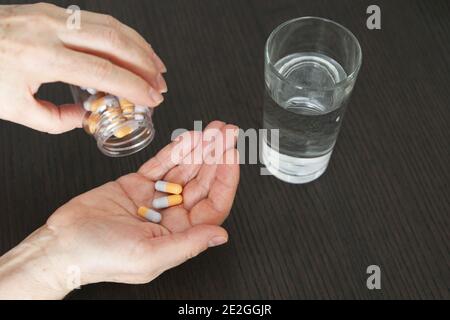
x=123, y=131
x=139, y=112
x=140, y=108
x=90, y=90
x=127, y=106
x=98, y=103
x=92, y=123
x=168, y=187
x=124, y=103
x=169, y=201
x=93, y=100
x=149, y=214
x=128, y=111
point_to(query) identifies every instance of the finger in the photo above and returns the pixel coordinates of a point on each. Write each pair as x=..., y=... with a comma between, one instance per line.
x=198, y=188
x=172, y=250
x=215, y=208
x=93, y=72
x=170, y=156
x=47, y=117
x=133, y=35
x=139, y=189
x=158, y=61
x=190, y=165
x=140, y=40
x=175, y=219
x=114, y=45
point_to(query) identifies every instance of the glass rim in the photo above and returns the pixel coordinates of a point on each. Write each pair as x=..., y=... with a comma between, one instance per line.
x=344, y=81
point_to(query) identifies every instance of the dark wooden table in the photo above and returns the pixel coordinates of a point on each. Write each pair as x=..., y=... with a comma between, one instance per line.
x=384, y=199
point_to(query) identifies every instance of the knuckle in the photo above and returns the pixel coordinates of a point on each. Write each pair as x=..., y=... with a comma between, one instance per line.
x=110, y=21
x=8, y=12
x=39, y=16
x=114, y=38
x=50, y=58
x=101, y=69
x=28, y=53
x=44, y=5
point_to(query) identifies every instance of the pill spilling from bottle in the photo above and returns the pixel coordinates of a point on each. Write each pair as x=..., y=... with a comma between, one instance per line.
x=108, y=108
x=119, y=126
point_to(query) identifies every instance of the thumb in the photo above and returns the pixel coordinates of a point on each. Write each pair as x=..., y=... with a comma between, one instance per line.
x=172, y=250
x=47, y=117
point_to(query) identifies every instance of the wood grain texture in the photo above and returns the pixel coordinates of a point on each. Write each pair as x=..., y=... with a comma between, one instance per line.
x=384, y=199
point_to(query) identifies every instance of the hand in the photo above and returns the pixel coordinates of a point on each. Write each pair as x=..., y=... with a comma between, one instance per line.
x=37, y=47
x=100, y=232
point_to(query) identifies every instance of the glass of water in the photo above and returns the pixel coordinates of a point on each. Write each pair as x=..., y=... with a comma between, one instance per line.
x=311, y=65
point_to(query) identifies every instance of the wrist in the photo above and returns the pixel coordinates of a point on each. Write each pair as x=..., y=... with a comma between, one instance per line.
x=36, y=269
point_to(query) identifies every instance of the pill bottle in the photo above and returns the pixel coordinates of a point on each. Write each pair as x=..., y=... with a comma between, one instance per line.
x=119, y=127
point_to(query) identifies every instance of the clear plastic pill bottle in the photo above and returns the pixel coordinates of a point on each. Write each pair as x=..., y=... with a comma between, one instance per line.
x=119, y=127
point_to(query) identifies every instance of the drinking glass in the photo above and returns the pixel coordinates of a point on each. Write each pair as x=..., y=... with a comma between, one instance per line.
x=311, y=65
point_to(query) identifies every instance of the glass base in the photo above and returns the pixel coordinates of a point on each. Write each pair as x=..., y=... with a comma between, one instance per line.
x=293, y=169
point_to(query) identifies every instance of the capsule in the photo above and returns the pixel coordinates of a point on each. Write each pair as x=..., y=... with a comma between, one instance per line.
x=92, y=122
x=123, y=131
x=139, y=112
x=128, y=110
x=91, y=90
x=127, y=107
x=124, y=103
x=169, y=201
x=139, y=117
x=140, y=109
x=114, y=115
x=87, y=105
x=149, y=214
x=98, y=103
x=168, y=187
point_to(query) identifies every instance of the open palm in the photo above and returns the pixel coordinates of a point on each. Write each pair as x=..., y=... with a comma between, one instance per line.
x=108, y=241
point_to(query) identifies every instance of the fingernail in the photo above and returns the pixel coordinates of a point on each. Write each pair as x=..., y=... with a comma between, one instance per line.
x=161, y=66
x=162, y=85
x=217, y=241
x=156, y=96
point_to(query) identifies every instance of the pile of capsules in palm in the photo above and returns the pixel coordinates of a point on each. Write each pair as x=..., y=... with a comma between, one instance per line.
x=175, y=198
x=120, y=127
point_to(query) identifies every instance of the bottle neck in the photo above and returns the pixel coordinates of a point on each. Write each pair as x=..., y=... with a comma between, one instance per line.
x=121, y=133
